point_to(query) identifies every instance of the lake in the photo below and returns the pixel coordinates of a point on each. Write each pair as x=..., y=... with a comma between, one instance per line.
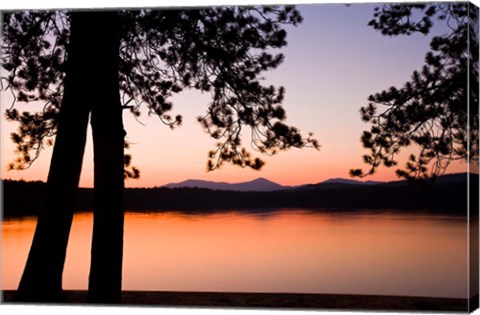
x=281, y=251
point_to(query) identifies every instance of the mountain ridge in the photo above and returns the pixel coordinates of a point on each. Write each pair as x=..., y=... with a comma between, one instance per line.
x=263, y=184
x=339, y=180
x=258, y=184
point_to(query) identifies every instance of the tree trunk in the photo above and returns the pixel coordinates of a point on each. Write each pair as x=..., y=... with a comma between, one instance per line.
x=42, y=277
x=108, y=141
x=92, y=83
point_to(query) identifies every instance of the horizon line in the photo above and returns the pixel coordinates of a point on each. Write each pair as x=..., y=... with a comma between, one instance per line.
x=243, y=182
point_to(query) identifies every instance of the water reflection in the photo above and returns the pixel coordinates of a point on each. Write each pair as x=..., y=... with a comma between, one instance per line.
x=270, y=251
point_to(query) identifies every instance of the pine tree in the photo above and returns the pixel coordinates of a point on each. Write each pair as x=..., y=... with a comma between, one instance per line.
x=437, y=110
x=101, y=63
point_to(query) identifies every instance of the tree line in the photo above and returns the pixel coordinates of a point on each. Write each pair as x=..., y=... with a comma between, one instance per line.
x=436, y=198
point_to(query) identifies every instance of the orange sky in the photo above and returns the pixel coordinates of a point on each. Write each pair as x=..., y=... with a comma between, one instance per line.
x=333, y=63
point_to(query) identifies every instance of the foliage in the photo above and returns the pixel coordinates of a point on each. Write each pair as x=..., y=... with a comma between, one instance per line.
x=429, y=111
x=222, y=51
x=33, y=54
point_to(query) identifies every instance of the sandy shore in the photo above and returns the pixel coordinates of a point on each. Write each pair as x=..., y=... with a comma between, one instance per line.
x=276, y=300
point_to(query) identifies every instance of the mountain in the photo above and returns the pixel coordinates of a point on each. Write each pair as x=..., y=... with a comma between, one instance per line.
x=350, y=181
x=198, y=183
x=259, y=184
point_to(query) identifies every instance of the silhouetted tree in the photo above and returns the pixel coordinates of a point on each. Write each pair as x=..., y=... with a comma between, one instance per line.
x=100, y=63
x=437, y=110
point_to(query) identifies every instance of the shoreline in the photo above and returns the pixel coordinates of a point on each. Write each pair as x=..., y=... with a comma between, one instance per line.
x=271, y=301
x=274, y=210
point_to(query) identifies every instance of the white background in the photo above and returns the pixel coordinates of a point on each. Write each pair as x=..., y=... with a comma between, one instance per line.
x=74, y=310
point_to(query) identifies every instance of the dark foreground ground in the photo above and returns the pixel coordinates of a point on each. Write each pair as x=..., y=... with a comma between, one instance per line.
x=277, y=300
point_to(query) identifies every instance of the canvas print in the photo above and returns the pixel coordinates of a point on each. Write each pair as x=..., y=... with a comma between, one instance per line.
x=319, y=156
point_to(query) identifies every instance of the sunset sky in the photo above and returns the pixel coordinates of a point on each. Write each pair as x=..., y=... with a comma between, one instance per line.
x=333, y=63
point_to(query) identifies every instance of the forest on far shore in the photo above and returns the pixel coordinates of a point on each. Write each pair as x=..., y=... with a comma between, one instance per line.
x=21, y=198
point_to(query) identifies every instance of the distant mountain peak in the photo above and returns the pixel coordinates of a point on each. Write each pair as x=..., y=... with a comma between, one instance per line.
x=261, y=179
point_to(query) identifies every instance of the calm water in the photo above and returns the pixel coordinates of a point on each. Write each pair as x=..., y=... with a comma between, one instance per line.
x=285, y=251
